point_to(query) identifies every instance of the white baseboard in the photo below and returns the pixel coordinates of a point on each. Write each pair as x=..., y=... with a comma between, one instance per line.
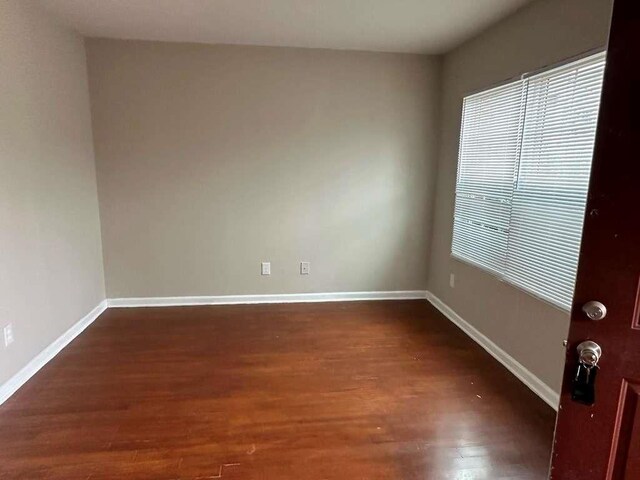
x=276, y=298
x=12, y=385
x=546, y=393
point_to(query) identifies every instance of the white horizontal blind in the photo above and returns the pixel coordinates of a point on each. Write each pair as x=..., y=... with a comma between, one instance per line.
x=561, y=114
x=523, y=173
x=489, y=142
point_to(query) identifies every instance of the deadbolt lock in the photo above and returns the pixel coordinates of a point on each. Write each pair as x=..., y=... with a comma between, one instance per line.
x=594, y=310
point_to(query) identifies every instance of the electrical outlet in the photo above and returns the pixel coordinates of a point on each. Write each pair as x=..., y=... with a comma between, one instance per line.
x=8, y=335
x=452, y=280
x=305, y=267
x=265, y=268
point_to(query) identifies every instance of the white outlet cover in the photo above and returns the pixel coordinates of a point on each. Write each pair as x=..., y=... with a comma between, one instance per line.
x=8, y=335
x=265, y=268
x=452, y=280
x=305, y=268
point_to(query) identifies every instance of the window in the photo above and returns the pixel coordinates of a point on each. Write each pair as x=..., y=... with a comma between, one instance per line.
x=523, y=174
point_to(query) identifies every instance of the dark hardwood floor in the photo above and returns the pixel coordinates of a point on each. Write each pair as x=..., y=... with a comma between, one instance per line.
x=362, y=390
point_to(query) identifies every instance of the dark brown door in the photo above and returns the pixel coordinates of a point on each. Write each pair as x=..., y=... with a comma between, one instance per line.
x=602, y=441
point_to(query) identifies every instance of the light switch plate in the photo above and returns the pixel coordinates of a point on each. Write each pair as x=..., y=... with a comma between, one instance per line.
x=265, y=268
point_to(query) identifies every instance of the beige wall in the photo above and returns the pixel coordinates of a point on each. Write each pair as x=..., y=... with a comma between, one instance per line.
x=51, y=260
x=543, y=33
x=212, y=159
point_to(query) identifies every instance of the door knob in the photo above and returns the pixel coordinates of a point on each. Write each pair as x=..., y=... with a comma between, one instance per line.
x=583, y=385
x=594, y=310
x=589, y=353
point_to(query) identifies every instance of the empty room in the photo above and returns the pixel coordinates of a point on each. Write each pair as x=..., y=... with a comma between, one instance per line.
x=319, y=239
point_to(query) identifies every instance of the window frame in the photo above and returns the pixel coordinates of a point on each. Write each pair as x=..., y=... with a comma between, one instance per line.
x=500, y=276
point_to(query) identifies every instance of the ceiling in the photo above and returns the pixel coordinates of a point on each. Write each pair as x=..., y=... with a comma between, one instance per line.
x=419, y=26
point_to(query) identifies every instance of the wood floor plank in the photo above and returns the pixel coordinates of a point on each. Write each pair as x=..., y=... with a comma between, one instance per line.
x=355, y=390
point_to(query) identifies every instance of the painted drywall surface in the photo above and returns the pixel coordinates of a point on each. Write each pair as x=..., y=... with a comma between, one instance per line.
x=212, y=159
x=543, y=33
x=50, y=247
